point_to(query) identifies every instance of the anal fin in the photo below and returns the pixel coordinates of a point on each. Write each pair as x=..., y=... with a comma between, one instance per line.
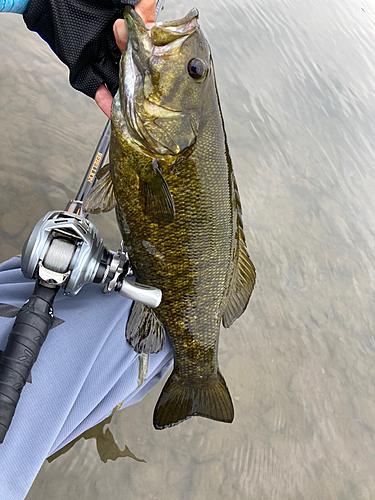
x=144, y=332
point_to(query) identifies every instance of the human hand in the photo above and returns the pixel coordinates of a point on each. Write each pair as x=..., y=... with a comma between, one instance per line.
x=146, y=10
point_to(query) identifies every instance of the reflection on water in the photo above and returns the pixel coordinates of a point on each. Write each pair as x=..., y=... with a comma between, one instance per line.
x=296, y=81
x=105, y=443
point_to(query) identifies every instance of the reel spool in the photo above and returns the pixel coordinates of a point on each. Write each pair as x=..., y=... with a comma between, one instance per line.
x=64, y=249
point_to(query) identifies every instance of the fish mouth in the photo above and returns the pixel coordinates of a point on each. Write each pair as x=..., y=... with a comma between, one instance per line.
x=141, y=105
x=162, y=33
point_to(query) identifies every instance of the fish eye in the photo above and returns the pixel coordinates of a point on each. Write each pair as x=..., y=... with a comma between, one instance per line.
x=196, y=68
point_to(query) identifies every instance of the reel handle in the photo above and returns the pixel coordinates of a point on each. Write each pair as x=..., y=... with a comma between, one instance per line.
x=147, y=295
x=28, y=334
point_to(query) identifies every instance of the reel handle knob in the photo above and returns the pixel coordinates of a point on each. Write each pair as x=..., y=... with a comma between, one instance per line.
x=147, y=295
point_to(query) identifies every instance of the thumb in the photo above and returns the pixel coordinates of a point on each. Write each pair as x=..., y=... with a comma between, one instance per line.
x=146, y=9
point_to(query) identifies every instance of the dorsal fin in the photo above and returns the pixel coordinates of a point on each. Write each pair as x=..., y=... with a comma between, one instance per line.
x=243, y=279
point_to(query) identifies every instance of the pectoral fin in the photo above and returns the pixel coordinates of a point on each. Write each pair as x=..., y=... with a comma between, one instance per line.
x=144, y=332
x=156, y=197
x=101, y=197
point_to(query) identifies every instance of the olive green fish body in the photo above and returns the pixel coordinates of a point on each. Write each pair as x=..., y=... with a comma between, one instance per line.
x=189, y=258
x=178, y=210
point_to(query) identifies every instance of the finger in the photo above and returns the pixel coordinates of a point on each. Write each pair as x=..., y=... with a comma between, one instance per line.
x=146, y=9
x=103, y=99
x=121, y=34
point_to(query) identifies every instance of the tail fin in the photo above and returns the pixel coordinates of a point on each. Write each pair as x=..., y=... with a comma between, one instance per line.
x=179, y=401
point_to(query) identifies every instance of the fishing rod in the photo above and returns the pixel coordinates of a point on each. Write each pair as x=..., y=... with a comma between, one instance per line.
x=65, y=251
x=76, y=205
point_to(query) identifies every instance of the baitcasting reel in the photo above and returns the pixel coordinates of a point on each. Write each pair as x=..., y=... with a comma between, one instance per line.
x=65, y=249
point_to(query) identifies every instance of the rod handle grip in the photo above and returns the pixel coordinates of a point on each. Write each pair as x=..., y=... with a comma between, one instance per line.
x=28, y=334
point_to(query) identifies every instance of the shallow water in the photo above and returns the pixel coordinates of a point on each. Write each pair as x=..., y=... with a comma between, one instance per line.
x=296, y=81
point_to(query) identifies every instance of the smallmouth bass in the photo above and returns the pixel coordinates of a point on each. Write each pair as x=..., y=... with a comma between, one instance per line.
x=171, y=180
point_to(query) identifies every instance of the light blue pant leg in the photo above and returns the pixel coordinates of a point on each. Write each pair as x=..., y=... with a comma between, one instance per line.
x=85, y=368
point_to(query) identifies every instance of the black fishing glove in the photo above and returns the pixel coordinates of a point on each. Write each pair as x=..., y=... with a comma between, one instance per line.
x=80, y=32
